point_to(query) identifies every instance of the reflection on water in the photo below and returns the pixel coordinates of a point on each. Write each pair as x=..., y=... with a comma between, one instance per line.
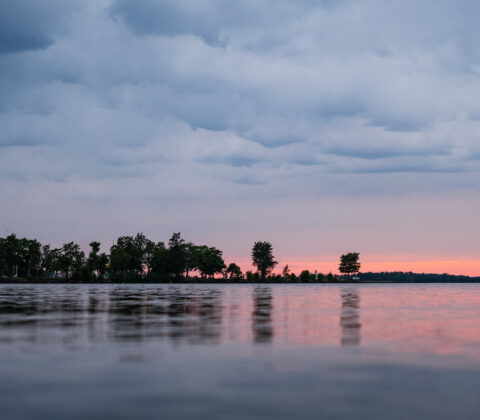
x=262, y=315
x=130, y=314
x=350, y=317
x=192, y=314
x=240, y=351
x=434, y=319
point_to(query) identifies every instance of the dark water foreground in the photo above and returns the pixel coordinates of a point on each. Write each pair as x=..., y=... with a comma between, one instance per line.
x=383, y=351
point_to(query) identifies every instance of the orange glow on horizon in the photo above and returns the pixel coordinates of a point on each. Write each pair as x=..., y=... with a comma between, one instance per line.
x=467, y=267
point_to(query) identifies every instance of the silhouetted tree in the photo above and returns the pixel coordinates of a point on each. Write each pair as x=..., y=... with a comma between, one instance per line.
x=10, y=254
x=4, y=270
x=96, y=263
x=349, y=263
x=305, y=276
x=136, y=257
x=130, y=257
x=192, y=256
x=262, y=258
x=159, y=264
x=49, y=260
x=234, y=271
x=176, y=255
x=30, y=257
x=93, y=258
x=20, y=257
x=103, y=262
x=70, y=259
x=210, y=261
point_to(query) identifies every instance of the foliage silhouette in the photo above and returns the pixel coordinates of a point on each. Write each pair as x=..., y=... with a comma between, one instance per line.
x=138, y=259
x=262, y=258
x=349, y=263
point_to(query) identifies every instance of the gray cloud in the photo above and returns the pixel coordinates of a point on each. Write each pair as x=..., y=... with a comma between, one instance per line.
x=170, y=17
x=31, y=25
x=217, y=22
x=177, y=101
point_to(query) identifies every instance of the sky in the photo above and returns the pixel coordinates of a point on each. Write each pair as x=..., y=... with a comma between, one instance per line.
x=321, y=126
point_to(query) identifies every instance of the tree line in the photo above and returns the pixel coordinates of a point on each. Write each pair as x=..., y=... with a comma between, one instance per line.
x=137, y=258
x=410, y=277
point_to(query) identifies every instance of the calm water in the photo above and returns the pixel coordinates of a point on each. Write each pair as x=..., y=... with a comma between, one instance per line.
x=240, y=352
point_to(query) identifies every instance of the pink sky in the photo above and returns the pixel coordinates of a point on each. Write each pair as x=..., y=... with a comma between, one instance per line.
x=469, y=267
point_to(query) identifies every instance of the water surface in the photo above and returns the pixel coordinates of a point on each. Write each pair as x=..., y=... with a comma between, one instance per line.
x=240, y=351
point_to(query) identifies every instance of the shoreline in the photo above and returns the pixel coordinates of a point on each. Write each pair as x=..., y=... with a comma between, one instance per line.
x=228, y=282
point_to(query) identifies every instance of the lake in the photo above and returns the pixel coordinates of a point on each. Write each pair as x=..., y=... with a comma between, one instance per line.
x=367, y=351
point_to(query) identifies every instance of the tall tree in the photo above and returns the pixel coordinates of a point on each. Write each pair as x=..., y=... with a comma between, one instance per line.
x=11, y=253
x=262, y=258
x=93, y=259
x=192, y=257
x=50, y=260
x=33, y=257
x=159, y=265
x=349, y=263
x=103, y=262
x=97, y=263
x=176, y=255
x=71, y=259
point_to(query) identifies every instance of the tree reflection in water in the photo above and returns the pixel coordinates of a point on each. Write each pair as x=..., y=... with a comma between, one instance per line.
x=120, y=313
x=177, y=313
x=197, y=318
x=262, y=315
x=350, y=317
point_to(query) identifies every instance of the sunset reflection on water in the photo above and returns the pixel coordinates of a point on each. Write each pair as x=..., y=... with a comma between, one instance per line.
x=438, y=319
x=286, y=351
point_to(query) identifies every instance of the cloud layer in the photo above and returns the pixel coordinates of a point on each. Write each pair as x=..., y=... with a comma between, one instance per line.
x=273, y=104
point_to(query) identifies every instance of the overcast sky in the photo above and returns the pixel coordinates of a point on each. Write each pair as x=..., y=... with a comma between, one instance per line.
x=323, y=126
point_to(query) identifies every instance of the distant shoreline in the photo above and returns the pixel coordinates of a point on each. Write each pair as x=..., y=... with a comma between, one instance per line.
x=462, y=279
